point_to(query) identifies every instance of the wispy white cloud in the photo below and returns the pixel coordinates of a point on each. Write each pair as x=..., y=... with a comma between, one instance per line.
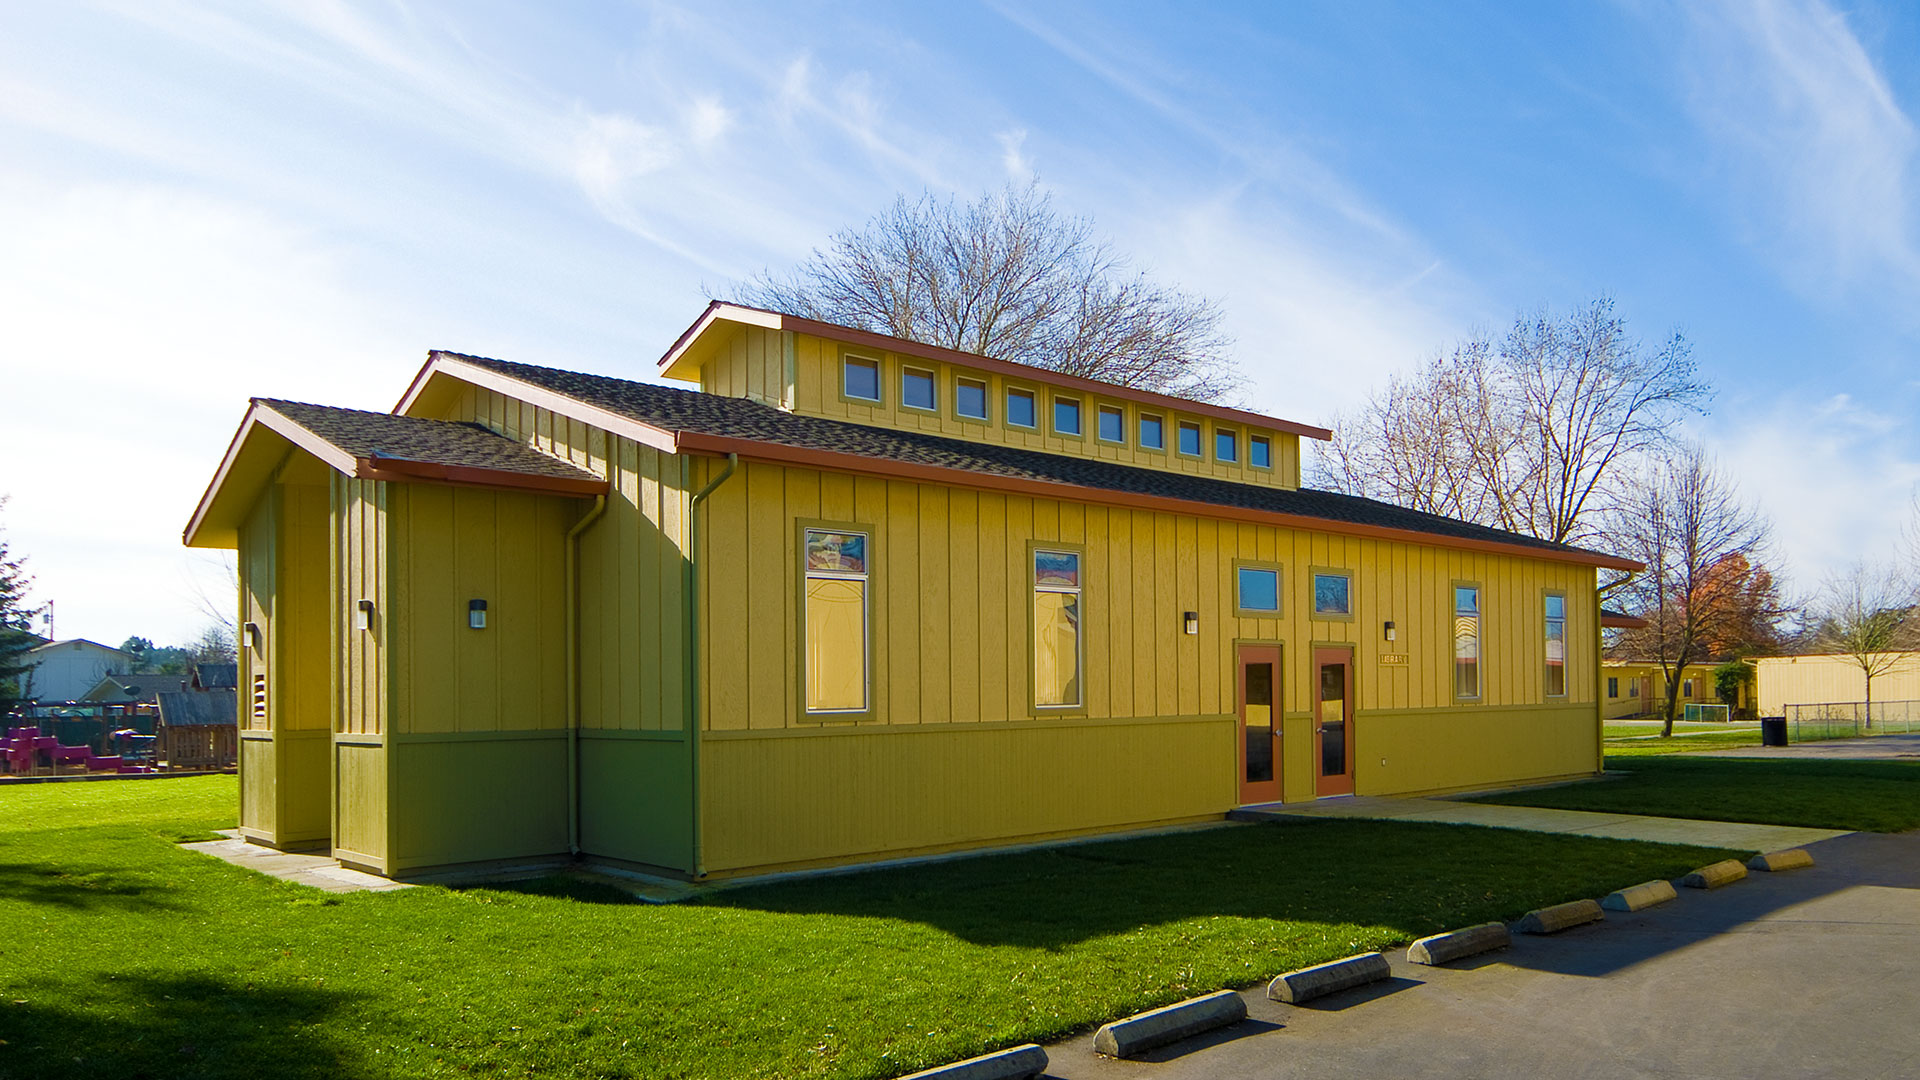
x=1013, y=155
x=1817, y=153
x=1835, y=478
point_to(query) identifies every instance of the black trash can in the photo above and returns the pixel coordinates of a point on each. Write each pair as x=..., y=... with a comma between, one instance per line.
x=1773, y=731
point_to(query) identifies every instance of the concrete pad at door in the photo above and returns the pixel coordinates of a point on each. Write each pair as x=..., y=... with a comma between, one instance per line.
x=1460, y=944
x=1018, y=1063
x=1296, y=987
x=1638, y=897
x=1158, y=1027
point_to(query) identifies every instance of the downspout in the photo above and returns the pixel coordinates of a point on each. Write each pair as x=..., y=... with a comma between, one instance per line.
x=692, y=652
x=1600, y=675
x=573, y=672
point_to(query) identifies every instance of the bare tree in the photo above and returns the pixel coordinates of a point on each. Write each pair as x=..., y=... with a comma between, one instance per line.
x=1009, y=276
x=1866, y=614
x=1533, y=432
x=1685, y=520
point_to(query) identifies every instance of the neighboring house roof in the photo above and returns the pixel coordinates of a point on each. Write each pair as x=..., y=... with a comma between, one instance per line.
x=194, y=708
x=132, y=689
x=216, y=676
x=691, y=420
x=78, y=643
x=370, y=446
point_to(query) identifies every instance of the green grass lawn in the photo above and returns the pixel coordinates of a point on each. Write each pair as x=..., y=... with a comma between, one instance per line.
x=1682, y=744
x=1624, y=729
x=1876, y=796
x=126, y=956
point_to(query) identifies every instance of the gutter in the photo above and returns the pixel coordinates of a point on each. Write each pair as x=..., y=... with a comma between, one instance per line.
x=573, y=671
x=692, y=652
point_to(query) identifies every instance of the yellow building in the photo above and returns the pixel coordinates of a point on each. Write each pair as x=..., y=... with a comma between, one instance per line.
x=940, y=601
x=1834, y=680
x=1633, y=688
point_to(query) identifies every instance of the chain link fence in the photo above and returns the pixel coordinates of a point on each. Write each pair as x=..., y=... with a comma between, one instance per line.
x=1851, y=719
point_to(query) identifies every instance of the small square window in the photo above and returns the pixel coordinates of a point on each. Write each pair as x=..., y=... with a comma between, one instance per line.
x=1226, y=446
x=1613, y=686
x=1020, y=410
x=1260, y=452
x=1113, y=424
x=862, y=378
x=916, y=388
x=1066, y=416
x=1259, y=589
x=970, y=398
x=1189, y=438
x=1153, y=432
x=1332, y=594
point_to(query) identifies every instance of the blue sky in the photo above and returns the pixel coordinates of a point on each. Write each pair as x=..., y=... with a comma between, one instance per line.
x=203, y=202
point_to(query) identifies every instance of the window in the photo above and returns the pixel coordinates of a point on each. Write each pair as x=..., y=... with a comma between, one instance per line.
x=1153, y=432
x=1556, y=645
x=1259, y=452
x=1613, y=687
x=970, y=398
x=1056, y=628
x=1113, y=424
x=1332, y=595
x=1020, y=409
x=835, y=564
x=1466, y=641
x=1189, y=438
x=1226, y=446
x=861, y=378
x=916, y=388
x=1066, y=416
x=1686, y=688
x=1633, y=687
x=1259, y=591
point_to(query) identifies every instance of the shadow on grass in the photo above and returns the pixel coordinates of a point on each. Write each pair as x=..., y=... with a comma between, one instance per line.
x=137, y=1026
x=1335, y=879
x=82, y=890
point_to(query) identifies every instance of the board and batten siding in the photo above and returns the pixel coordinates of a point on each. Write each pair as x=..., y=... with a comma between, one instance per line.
x=361, y=794
x=1826, y=680
x=949, y=597
x=802, y=372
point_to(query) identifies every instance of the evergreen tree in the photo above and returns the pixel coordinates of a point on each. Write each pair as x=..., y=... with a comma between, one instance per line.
x=16, y=622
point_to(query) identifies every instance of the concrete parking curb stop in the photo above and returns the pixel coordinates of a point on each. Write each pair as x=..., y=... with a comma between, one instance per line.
x=1644, y=895
x=1308, y=983
x=1158, y=1027
x=1776, y=861
x=1459, y=944
x=1714, y=875
x=1552, y=920
x=1018, y=1063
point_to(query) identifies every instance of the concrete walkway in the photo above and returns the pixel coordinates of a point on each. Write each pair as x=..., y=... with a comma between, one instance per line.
x=1802, y=974
x=1662, y=830
x=1866, y=748
x=319, y=871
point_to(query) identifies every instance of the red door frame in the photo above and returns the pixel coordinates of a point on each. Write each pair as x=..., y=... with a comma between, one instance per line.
x=1260, y=791
x=1340, y=783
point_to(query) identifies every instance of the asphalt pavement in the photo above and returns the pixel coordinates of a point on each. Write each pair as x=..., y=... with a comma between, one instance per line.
x=1812, y=973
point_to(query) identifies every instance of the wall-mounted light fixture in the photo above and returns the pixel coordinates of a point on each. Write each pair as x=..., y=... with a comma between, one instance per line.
x=1191, y=622
x=363, y=615
x=253, y=636
x=477, y=614
x=1390, y=631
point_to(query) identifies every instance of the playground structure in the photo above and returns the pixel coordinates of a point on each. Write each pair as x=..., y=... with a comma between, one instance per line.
x=26, y=752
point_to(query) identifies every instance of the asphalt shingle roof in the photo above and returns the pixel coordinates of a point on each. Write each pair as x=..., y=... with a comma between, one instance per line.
x=678, y=410
x=410, y=438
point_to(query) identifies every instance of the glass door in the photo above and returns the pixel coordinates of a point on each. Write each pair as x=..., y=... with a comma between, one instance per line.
x=1333, y=721
x=1259, y=728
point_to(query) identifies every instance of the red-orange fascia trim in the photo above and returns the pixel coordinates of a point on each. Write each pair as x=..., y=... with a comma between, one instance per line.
x=774, y=320
x=692, y=442
x=405, y=469
x=1622, y=622
x=537, y=396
